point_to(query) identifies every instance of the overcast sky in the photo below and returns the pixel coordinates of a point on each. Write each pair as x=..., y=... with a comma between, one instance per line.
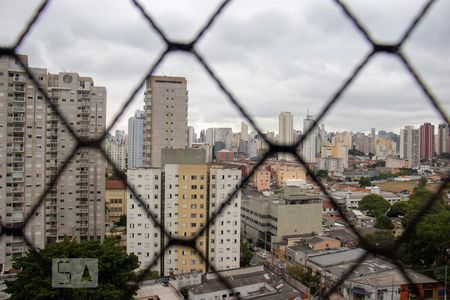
x=272, y=55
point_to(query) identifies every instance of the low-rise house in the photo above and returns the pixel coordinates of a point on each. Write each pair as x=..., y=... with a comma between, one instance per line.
x=376, y=278
x=247, y=283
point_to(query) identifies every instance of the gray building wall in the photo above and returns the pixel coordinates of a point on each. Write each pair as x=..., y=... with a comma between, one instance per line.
x=165, y=125
x=136, y=140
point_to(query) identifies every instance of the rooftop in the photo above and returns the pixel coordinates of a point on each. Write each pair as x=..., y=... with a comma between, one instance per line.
x=273, y=286
x=115, y=185
x=328, y=260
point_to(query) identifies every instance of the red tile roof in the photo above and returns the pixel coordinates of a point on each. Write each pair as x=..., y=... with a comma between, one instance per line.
x=115, y=185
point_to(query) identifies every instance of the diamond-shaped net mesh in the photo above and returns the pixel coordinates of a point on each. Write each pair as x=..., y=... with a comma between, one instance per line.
x=393, y=49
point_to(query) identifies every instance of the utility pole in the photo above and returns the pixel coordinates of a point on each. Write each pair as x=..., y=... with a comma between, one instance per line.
x=392, y=288
x=445, y=283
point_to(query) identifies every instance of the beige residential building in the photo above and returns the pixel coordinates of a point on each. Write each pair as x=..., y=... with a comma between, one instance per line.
x=115, y=200
x=285, y=133
x=190, y=192
x=261, y=180
x=34, y=144
x=185, y=213
x=165, y=123
x=266, y=220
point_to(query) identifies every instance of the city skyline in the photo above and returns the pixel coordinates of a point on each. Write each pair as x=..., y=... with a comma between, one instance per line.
x=283, y=79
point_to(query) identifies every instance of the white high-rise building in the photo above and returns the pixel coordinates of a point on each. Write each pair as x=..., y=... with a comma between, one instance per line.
x=190, y=136
x=309, y=144
x=285, y=133
x=116, y=148
x=225, y=232
x=143, y=238
x=136, y=140
x=187, y=200
x=165, y=123
x=244, y=132
x=410, y=146
x=33, y=145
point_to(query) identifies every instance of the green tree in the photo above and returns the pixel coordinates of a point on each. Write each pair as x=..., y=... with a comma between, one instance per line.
x=364, y=182
x=305, y=276
x=422, y=182
x=374, y=205
x=356, y=152
x=184, y=292
x=322, y=173
x=122, y=221
x=398, y=209
x=246, y=254
x=384, y=222
x=34, y=281
x=380, y=239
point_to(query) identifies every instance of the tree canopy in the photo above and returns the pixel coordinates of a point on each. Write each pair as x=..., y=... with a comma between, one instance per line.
x=34, y=281
x=374, y=204
x=426, y=243
x=364, y=182
x=384, y=222
x=398, y=209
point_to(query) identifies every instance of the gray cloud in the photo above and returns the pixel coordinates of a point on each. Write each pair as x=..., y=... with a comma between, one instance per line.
x=274, y=56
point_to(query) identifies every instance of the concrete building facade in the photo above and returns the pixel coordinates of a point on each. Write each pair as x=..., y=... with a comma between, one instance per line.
x=135, y=158
x=34, y=143
x=309, y=144
x=165, y=123
x=285, y=133
x=115, y=200
x=410, y=146
x=266, y=220
x=426, y=141
x=144, y=238
x=224, y=234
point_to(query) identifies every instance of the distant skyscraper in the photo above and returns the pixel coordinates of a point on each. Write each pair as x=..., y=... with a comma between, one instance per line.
x=426, y=141
x=285, y=133
x=309, y=144
x=116, y=148
x=136, y=140
x=372, y=133
x=410, y=146
x=443, y=139
x=190, y=136
x=244, y=132
x=165, y=124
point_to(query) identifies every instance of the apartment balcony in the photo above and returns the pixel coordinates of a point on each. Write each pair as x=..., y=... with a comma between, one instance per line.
x=16, y=249
x=52, y=141
x=17, y=179
x=16, y=200
x=17, y=129
x=18, y=79
x=19, y=88
x=17, y=108
x=19, y=99
x=16, y=189
x=10, y=209
x=18, y=139
x=16, y=159
x=17, y=149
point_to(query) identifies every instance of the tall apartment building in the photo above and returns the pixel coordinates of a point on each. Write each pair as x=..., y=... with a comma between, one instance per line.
x=443, y=139
x=135, y=158
x=116, y=148
x=244, y=132
x=309, y=144
x=190, y=136
x=185, y=206
x=165, y=125
x=185, y=213
x=426, y=141
x=224, y=232
x=144, y=238
x=410, y=146
x=285, y=133
x=34, y=144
